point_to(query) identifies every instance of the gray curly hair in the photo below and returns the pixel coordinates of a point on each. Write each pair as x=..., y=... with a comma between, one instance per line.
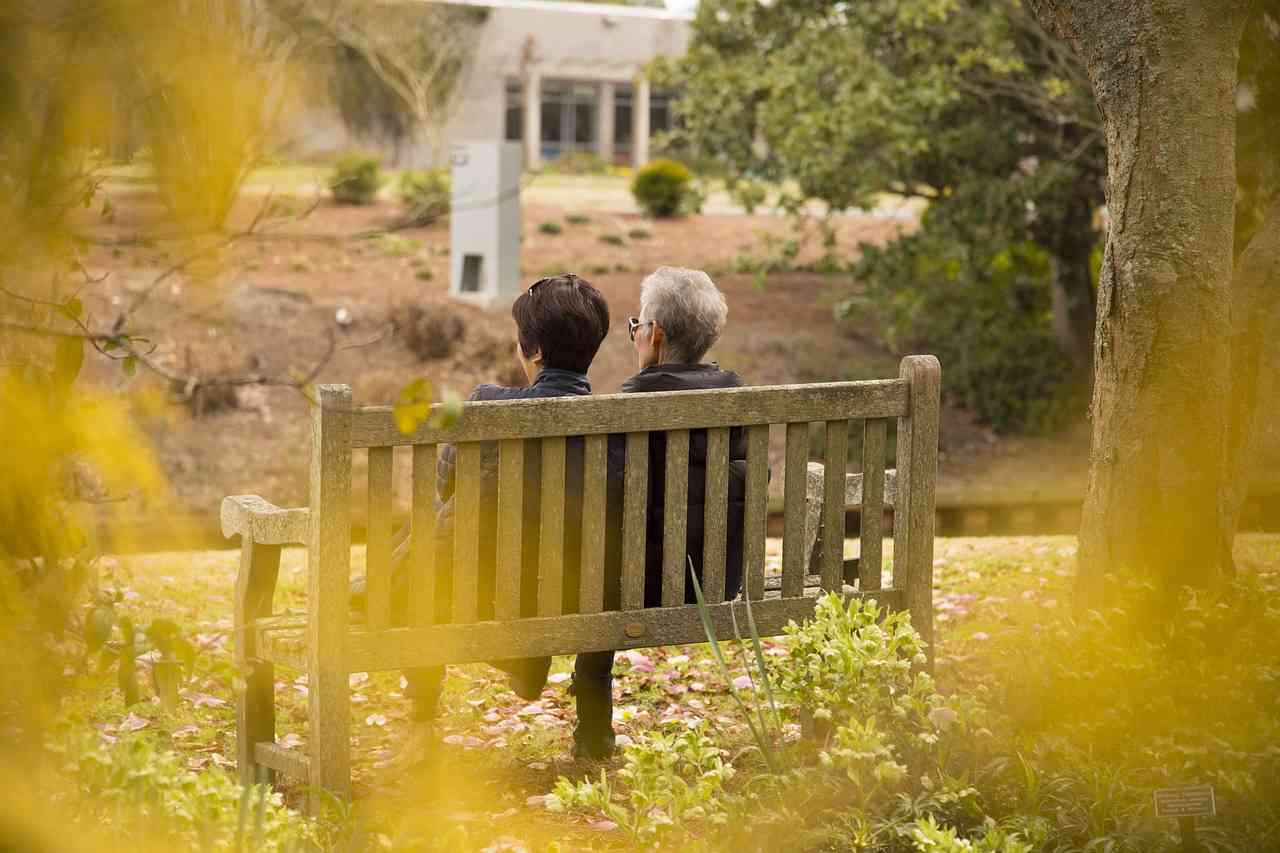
x=688, y=306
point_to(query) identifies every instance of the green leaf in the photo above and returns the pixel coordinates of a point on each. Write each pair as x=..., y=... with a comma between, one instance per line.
x=97, y=627
x=413, y=406
x=448, y=412
x=129, y=365
x=73, y=308
x=68, y=359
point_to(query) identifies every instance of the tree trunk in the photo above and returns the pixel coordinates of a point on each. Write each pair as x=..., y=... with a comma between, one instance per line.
x=1164, y=75
x=1255, y=363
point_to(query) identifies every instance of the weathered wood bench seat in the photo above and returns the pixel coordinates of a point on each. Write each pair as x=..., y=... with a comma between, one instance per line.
x=328, y=644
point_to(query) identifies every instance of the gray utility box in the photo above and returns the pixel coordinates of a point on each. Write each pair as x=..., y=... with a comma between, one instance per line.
x=484, y=225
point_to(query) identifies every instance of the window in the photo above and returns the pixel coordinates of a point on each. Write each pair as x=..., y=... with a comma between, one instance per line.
x=660, y=115
x=515, y=111
x=622, y=127
x=569, y=117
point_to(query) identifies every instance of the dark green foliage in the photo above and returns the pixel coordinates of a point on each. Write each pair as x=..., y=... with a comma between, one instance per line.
x=981, y=302
x=355, y=179
x=612, y=239
x=550, y=228
x=639, y=234
x=661, y=187
x=577, y=219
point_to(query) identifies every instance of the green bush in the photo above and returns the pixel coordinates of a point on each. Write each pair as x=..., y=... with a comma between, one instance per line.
x=982, y=304
x=639, y=234
x=578, y=163
x=139, y=793
x=550, y=228
x=577, y=219
x=425, y=195
x=355, y=179
x=662, y=187
x=612, y=239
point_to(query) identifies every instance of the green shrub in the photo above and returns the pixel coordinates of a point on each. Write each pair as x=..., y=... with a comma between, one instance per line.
x=577, y=219
x=550, y=228
x=982, y=304
x=639, y=234
x=748, y=194
x=145, y=795
x=674, y=776
x=578, y=163
x=426, y=195
x=355, y=179
x=612, y=239
x=661, y=187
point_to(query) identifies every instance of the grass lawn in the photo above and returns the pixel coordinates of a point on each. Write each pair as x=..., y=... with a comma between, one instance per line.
x=499, y=755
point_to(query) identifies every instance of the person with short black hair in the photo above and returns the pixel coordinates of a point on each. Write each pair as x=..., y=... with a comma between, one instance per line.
x=560, y=323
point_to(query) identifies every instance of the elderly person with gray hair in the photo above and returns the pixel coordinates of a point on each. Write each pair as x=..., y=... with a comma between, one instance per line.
x=682, y=315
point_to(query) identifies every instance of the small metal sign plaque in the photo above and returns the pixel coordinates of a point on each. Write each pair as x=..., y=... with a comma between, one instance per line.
x=1192, y=801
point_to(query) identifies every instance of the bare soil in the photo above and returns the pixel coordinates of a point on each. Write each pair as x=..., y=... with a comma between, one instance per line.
x=271, y=302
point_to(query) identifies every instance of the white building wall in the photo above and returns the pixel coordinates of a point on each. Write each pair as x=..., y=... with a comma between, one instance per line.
x=530, y=41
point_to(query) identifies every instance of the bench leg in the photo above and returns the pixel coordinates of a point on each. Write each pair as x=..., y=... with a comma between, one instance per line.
x=255, y=707
x=328, y=735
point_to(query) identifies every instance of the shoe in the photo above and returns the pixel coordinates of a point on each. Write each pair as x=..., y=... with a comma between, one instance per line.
x=595, y=747
x=419, y=748
x=528, y=677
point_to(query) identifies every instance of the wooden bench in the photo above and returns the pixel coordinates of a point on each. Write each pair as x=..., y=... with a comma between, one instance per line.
x=327, y=646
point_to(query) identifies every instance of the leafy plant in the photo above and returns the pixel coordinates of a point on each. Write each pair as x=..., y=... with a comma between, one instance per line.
x=577, y=219
x=549, y=228
x=981, y=300
x=142, y=794
x=612, y=239
x=426, y=196
x=661, y=187
x=355, y=179
x=673, y=776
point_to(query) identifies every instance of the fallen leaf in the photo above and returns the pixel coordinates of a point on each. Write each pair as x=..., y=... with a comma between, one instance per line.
x=132, y=723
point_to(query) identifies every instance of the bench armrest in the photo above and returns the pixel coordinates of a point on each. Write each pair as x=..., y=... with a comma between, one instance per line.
x=263, y=522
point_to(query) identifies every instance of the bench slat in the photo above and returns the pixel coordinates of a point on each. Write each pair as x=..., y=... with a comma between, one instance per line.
x=551, y=535
x=634, y=506
x=871, y=534
x=795, y=476
x=594, y=496
x=715, y=519
x=466, y=534
x=757, y=509
x=510, y=524
x=378, y=550
x=573, y=633
x=422, y=587
x=833, y=489
x=675, y=524
x=664, y=410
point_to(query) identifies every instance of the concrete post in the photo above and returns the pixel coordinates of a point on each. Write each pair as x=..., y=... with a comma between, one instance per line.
x=605, y=107
x=640, y=123
x=533, y=120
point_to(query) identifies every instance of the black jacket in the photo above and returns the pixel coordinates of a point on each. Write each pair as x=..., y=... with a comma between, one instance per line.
x=685, y=377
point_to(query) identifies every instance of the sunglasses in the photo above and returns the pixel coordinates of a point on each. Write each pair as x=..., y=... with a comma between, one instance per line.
x=634, y=324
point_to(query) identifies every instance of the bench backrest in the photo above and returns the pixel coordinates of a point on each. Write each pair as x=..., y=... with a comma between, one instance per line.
x=339, y=429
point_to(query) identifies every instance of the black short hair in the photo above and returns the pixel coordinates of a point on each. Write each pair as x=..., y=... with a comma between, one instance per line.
x=565, y=318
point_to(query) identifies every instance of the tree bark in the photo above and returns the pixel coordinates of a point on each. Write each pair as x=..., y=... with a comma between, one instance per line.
x=1255, y=364
x=1164, y=75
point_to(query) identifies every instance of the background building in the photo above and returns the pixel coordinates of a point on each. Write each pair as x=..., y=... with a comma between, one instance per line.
x=557, y=77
